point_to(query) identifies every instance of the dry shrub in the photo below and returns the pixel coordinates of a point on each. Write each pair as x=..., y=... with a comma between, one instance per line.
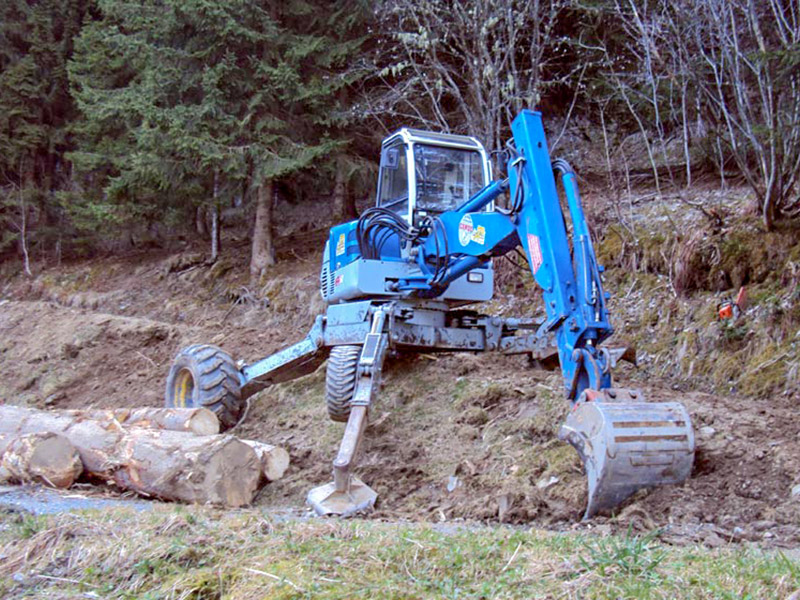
x=695, y=256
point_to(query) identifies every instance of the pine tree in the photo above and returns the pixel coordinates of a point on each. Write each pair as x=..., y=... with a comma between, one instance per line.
x=189, y=102
x=35, y=112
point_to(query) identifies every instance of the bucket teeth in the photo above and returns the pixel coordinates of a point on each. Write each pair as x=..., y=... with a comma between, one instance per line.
x=627, y=446
x=326, y=500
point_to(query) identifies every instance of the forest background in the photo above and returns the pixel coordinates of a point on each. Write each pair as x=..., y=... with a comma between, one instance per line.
x=133, y=123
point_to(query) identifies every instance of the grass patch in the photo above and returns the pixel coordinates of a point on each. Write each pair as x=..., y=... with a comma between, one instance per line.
x=202, y=553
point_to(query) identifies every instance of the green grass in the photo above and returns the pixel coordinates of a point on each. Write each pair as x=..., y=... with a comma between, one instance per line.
x=201, y=553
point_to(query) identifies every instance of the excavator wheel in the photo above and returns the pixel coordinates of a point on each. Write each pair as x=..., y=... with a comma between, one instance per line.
x=203, y=375
x=340, y=381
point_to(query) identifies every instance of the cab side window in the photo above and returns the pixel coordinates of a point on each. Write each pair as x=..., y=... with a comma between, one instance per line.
x=394, y=179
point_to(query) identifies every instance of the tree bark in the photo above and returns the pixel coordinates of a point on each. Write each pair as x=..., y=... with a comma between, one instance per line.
x=199, y=421
x=23, y=238
x=45, y=457
x=274, y=460
x=344, y=205
x=172, y=465
x=263, y=252
x=200, y=221
x=215, y=221
x=214, y=233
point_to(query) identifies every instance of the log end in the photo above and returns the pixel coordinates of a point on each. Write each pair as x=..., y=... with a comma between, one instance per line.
x=232, y=474
x=275, y=466
x=203, y=422
x=46, y=457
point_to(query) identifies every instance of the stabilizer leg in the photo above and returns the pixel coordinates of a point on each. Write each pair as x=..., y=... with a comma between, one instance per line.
x=290, y=363
x=347, y=494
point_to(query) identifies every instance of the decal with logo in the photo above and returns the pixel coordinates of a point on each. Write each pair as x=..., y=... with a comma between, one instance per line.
x=340, y=245
x=465, y=230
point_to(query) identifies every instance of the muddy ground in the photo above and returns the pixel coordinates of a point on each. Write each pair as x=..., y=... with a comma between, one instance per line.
x=452, y=437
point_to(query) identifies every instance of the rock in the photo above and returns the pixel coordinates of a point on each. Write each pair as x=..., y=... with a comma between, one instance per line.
x=69, y=351
x=475, y=415
x=452, y=483
x=181, y=262
x=53, y=398
x=712, y=540
x=796, y=491
x=543, y=484
x=503, y=506
x=707, y=432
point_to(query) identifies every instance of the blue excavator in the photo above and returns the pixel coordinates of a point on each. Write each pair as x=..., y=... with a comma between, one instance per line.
x=403, y=276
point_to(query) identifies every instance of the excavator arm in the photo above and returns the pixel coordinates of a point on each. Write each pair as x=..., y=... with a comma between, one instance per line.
x=564, y=266
x=624, y=442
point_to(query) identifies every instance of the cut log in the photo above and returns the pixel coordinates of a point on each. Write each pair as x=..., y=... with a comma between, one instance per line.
x=44, y=457
x=274, y=460
x=172, y=465
x=200, y=421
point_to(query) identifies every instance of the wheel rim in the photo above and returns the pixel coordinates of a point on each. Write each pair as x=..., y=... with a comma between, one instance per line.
x=184, y=388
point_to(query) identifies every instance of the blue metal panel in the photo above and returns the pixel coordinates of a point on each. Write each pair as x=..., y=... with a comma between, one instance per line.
x=343, y=245
x=544, y=238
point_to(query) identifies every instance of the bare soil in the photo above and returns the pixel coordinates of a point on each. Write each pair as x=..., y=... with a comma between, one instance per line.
x=453, y=437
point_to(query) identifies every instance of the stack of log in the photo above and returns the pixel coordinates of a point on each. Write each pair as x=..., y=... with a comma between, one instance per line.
x=173, y=454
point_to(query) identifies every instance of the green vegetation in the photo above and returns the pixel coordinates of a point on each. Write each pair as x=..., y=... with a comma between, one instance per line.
x=130, y=123
x=200, y=553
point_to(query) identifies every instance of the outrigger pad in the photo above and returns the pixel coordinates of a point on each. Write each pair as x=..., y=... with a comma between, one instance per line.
x=627, y=444
x=326, y=500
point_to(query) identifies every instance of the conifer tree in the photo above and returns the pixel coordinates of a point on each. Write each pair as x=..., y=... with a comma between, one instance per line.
x=189, y=102
x=35, y=111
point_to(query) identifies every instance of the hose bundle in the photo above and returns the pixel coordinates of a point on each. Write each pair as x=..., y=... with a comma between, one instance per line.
x=376, y=225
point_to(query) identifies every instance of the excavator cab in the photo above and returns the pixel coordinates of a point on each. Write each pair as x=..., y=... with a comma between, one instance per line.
x=424, y=173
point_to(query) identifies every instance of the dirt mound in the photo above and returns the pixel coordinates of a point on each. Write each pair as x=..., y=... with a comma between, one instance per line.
x=452, y=437
x=70, y=358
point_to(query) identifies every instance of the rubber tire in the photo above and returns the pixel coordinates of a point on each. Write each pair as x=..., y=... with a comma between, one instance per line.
x=340, y=381
x=214, y=379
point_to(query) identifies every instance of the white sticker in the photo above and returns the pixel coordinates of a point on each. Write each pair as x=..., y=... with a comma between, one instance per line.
x=465, y=230
x=479, y=235
x=534, y=251
x=340, y=245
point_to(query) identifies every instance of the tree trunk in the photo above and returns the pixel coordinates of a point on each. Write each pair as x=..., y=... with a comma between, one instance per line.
x=200, y=221
x=23, y=207
x=263, y=252
x=344, y=206
x=45, y=457
x=274, y=460
x=215, y=221
x=199, y=421
x=173, y=465
x=214, y=233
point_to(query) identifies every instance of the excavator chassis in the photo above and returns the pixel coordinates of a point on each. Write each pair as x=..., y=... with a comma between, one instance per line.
x=624, y=442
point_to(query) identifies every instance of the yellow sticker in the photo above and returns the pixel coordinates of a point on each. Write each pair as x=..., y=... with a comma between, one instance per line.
x=479, y=235
x=340, y=245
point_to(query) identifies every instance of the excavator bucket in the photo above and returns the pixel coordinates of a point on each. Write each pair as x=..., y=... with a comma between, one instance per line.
x=627, y=444
x=327, y=500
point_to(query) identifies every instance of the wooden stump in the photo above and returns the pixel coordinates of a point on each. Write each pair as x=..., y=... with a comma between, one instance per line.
x=274, y=460
x=44, y=457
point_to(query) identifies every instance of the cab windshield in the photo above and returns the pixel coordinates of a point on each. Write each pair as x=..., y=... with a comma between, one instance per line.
x=446, y=177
